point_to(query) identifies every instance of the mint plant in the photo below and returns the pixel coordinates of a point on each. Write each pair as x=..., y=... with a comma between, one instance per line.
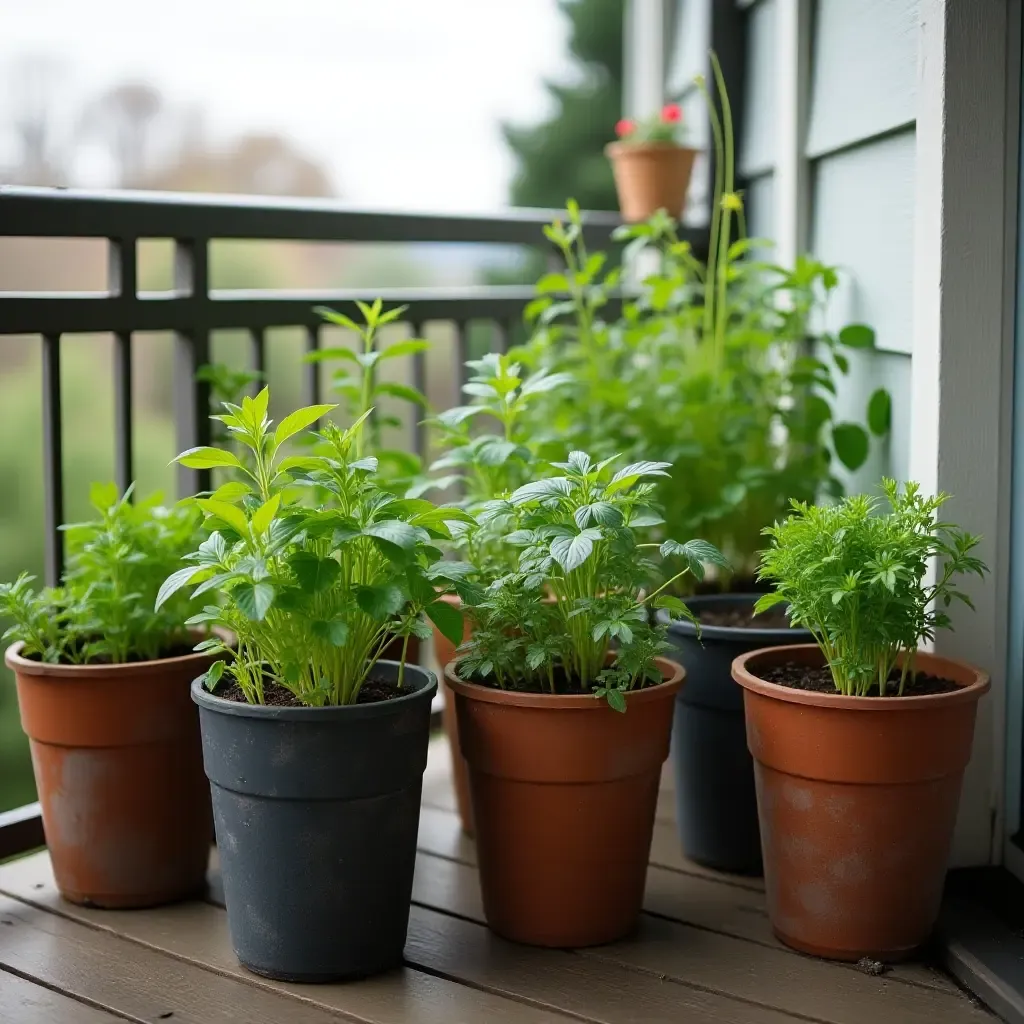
x=856, y=580
x=103, y=613
x=313, y=593
x=665, y=127
x=578, y=541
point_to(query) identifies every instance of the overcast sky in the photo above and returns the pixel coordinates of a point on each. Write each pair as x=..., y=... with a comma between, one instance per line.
x=400, y=100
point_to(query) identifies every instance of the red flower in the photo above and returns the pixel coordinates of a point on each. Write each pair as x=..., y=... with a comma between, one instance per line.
x=671, y=112
x=624, y=127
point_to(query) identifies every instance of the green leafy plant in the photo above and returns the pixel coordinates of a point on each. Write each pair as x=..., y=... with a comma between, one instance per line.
x=104, y=611
x=578, y=546
x=723, y=368
x=314, y=594
x=665, y=126
x=362, y=389
x=489, y=450
x=856, y=580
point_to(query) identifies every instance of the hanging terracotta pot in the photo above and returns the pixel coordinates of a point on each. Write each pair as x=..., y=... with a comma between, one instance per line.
x=444, y=651
x=119, y=771
x=857, y=798
x=650, y=176
x=564, y=794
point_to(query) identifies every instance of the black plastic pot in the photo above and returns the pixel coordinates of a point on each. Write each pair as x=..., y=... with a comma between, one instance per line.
x=316, y=811
x=715, y=798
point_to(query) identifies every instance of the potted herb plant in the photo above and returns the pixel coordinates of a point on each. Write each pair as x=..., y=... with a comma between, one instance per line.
x=103, y=688
x=563, y=783
x=860, y=742
x=487, y=464
x=314, y=746
x=651, y=167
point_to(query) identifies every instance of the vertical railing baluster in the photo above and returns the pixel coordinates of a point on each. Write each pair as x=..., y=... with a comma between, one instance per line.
x=192, y=350
x=258, y=342
x=53, y=461
x=122, y=283
x=311, y=376
x=419, y=382
x=461, y=355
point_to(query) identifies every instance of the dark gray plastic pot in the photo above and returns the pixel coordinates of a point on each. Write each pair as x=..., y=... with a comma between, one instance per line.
x=715, y=798
x=316, y=811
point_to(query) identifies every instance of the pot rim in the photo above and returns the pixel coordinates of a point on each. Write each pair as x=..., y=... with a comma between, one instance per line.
x=672, y=672
x=771, y=637
x=30, y=667
x=615, y=149
x=964, y=694
x=210, y=702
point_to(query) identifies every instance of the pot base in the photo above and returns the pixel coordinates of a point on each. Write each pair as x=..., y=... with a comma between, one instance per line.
x=330, y=978
x=128, y=901
x=885, y=956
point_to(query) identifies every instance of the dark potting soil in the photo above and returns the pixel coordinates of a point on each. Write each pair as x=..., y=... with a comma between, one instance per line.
x=373, y=691
x=565, y=685
x=742, y=616
x=819, y=680
x=174, y=651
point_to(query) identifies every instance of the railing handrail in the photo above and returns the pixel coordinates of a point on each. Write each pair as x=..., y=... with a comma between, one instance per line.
x=85, y=213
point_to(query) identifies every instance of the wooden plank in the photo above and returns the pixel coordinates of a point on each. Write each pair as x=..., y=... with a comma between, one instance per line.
x=130, y=980
x=23, y=1002
x=581, y=985
x=736, y=915
x=197, y=933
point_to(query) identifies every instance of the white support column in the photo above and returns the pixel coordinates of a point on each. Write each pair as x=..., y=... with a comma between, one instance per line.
x=792, y=91
x=644, y=63
x=961, y=391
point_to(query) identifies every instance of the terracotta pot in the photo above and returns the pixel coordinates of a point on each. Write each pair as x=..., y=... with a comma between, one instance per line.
x=857, y=799
x=650, y=176
x=119, y=770
x=564, y=793
x=444, y=651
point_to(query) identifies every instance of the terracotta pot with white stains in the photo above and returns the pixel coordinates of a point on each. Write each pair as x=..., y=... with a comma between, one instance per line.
x=857, y=798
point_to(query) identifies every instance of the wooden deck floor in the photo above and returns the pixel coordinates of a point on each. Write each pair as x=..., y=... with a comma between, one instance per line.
x=704, y=952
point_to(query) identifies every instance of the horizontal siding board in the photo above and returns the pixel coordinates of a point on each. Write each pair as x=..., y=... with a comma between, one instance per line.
x=757, y=144
x=864, y=71
x=862, y=222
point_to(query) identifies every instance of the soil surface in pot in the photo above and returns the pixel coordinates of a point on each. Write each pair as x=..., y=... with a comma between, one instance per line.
x=565, y=685
x=819, y=679
x=373, y=691
x=742, y=617
x=176, y=650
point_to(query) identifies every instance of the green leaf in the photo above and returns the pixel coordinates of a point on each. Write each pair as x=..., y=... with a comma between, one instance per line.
x=211, y=677
x=405, y=348
x=226, y=513
x=552, y=283
x=538, y=489
x=231, y=491
x=253, y=599
x=403, y=391
x=394, y=531
x=696, y=553
x=103, y=496
x=337, y=318
x=572, y=552
x=264, y=515
x=616, y=699
x=769, y=600
x=670, y=604
x=602, y=512
x=851, y=444
x=857, y=336
x=299, y=420
x=325, y=355
x=380, y=601
x=448, y=620
x=880, y=412
x=541, y=382
x=627, y=476
x=334, y=633
x=174, y=583
x=314, y=573
x=208, y=458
